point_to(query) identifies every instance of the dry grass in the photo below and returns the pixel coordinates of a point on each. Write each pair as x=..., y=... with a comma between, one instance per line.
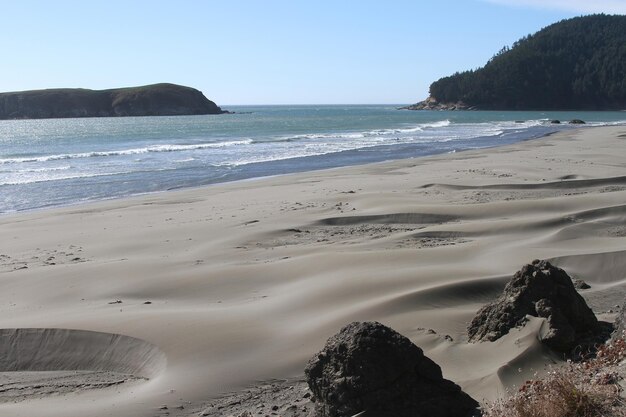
x=585, y=389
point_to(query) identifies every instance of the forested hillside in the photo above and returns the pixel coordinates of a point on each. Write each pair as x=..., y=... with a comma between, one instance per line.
x=578, y=63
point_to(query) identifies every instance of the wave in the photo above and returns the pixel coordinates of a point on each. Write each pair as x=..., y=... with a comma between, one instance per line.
x=39, y=179
x=616, y=123
x=374, y=138
x=124, y=152
x=548, y=121
x=356, y=139
x=50, y=169
x=182, y=161
x=176, y=148
x=441, y=123
x=357, y=135
x=56, y=176
x=311, y=144
x=304, y=145
x=309, y=136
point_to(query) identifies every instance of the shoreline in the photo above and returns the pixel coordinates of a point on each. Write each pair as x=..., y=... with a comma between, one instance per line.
x=115, y=165
x=243, y=281
x=270, y=176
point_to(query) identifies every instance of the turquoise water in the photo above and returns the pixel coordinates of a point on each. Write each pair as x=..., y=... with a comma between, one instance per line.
x=64, y=161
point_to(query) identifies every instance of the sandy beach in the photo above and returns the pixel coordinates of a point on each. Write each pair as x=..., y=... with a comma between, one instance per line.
x=181, y=296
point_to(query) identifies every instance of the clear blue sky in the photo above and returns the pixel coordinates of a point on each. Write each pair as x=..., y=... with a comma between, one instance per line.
x=267, y=51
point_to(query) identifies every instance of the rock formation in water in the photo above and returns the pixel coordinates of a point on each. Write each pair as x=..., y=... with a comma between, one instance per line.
x=431, y=103
x=149, y=100
x=368, y=367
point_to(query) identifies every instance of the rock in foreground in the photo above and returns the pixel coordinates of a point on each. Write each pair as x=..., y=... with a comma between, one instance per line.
x=368, y=367
x=149, y=100
x=541, y=290
x=619, y=331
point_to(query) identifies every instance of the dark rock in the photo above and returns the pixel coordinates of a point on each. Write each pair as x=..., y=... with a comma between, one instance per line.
x=540, y=290
x=555, y=122
x=579, y=284
x=576, y=122
x=620, y=324
x=559, y=335
x=370, y=367
x=431, y=103
x=150, y=100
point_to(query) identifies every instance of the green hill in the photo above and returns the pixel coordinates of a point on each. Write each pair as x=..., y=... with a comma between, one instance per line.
x=575, y=64
x=150, y=100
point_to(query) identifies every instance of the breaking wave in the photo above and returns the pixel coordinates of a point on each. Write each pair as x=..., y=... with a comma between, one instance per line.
x=123, y=152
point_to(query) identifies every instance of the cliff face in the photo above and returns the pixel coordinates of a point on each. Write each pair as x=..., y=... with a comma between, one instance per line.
x=149, y=100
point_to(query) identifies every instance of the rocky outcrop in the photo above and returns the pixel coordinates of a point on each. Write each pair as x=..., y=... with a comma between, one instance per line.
x=579, y=284
x=620, y=325
x=368, y=367
x=576, y=122
x=431, y=103
x=541, y=290
x=149, y=100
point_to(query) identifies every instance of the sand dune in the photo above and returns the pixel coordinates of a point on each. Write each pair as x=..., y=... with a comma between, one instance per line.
x=56, y=349
x=245, y=281
x=36, y=363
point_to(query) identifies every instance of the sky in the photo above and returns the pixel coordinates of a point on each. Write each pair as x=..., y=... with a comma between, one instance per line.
x=267, y=51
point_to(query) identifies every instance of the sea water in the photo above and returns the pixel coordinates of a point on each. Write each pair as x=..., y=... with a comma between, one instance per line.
x=56, y=162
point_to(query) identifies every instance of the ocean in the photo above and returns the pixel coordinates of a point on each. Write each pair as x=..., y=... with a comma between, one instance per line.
x=55, y=162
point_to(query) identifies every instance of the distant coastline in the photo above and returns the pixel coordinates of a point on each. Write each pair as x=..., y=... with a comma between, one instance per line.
x=574, y=65
x=150, y=100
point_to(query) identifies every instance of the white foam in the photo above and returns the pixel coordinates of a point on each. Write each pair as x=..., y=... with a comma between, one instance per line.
x=47, y=169
x=442, y=123
x=617, y=123
x=31, y=179
x=358, y=135
x=124, y=152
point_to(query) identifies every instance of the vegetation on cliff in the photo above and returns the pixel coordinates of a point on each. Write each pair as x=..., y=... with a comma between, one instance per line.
x=577, y=64
x=150, y=100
